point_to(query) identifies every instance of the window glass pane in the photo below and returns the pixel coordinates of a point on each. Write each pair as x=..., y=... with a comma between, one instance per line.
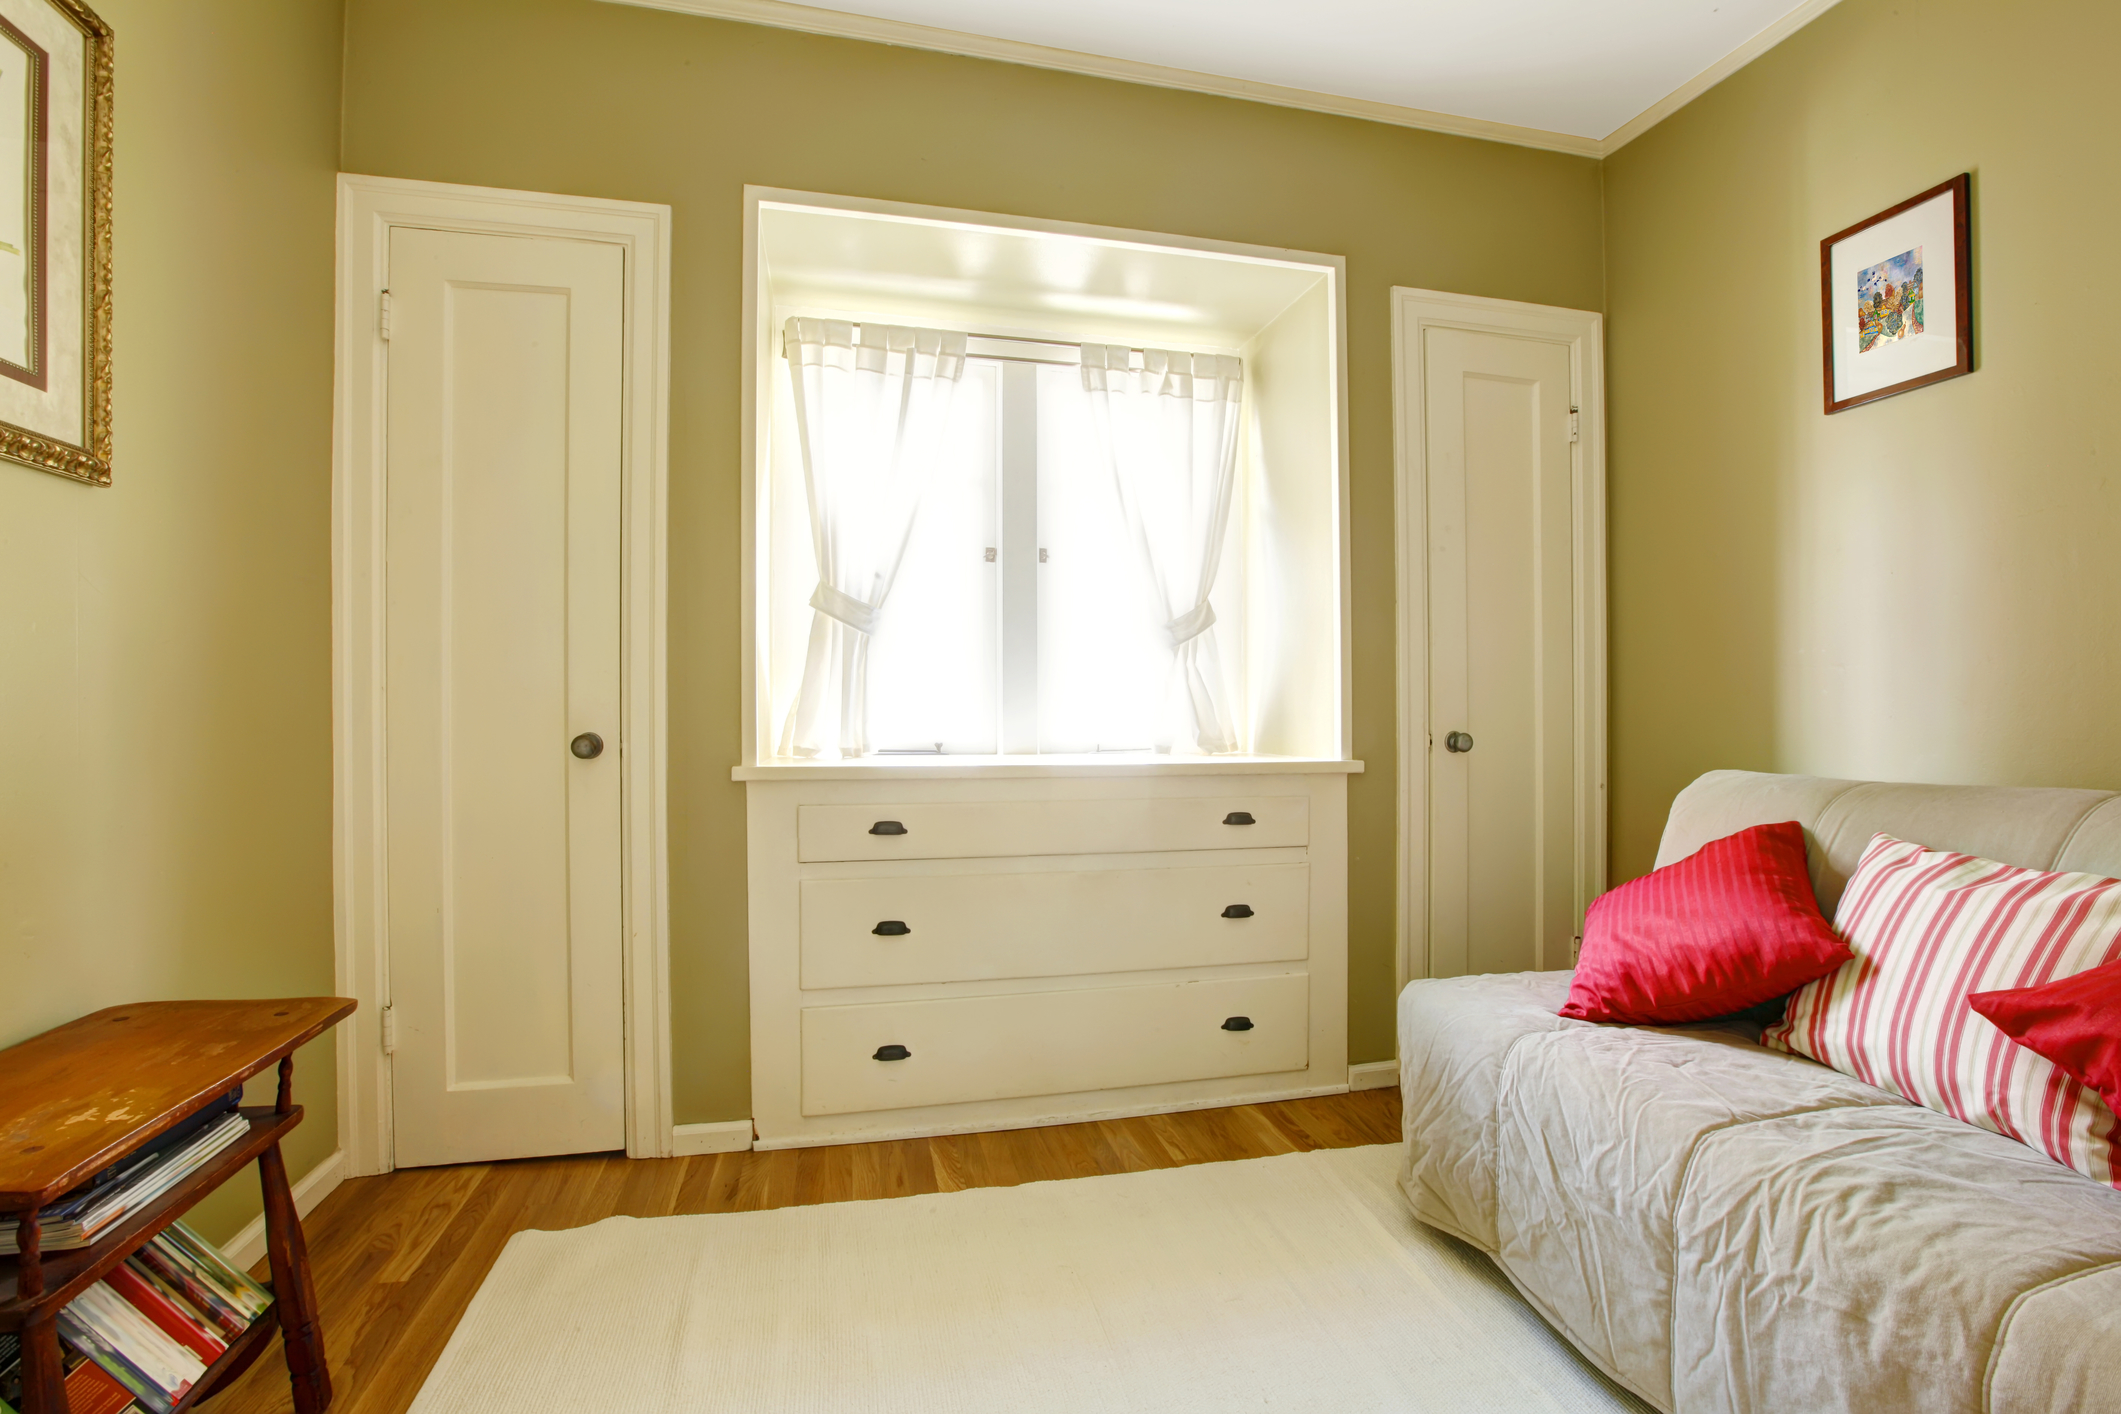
x=932, y=663
x=1104, y=663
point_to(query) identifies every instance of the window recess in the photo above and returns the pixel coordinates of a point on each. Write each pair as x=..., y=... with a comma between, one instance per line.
x=1051, y=570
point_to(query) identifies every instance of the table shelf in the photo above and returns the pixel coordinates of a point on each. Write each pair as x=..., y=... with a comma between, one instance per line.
x=70, y=1271
x=100, y=1089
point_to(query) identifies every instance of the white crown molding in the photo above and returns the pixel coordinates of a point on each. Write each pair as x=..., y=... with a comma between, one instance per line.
x=1714, y=74
x=808, y=18
x=780, y=14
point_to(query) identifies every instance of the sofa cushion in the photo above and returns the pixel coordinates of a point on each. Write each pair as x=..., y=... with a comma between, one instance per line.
x=1732, y=925
x=1596, y=1130
x=1868, y=1258
x=1454, y=1034
x=2060, y=1347
x=1928, y=927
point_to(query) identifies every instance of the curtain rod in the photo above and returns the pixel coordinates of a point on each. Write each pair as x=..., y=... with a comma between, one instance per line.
x=782, y=336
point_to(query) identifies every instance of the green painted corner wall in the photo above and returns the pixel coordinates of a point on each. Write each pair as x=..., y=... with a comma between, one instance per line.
x=1923, y=588
x=165, y=644
x=606, y=100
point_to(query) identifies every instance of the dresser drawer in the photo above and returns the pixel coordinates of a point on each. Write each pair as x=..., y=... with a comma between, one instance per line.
x=1050, y=1043
x=969, y=927
x=992, y=828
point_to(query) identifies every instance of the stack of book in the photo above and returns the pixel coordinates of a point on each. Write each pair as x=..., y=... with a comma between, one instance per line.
x=86, y=1213
x=88, y=1389
x=144, y=1335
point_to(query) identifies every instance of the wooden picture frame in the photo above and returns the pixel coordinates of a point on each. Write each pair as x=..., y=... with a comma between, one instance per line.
x=55, y=238
x=1891, y=320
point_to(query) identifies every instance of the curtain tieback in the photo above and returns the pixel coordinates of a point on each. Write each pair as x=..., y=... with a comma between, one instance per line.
x=1191, y=624
x=845, y=607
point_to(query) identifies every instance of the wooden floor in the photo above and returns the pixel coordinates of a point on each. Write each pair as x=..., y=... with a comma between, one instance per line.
x=398, y=1257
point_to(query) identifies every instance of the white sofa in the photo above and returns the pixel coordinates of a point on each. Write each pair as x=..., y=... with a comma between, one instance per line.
x=1722, y=1227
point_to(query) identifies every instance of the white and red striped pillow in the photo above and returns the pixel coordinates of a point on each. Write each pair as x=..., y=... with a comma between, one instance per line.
x=1928, y=927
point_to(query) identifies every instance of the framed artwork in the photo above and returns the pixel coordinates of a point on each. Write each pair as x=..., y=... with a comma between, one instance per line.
x=55, y=204
x=1896, y=298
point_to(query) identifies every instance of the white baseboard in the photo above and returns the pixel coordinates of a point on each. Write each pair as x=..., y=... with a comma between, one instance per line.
x=1373, y=1075
x=312, y=1188
x=725, y=1137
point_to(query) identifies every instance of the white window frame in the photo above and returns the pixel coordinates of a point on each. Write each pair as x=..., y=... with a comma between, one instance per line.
x=760, y=356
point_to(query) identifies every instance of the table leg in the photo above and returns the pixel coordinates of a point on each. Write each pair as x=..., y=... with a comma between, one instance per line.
x=43, y=1372
x=292, y=1290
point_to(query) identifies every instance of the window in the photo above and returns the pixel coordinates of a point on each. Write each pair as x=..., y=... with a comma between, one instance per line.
x=1020, y=618
x=977, y=540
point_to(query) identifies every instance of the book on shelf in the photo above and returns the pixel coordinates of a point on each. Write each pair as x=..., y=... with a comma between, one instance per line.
x=80, y=1217
x=163, y=1316
x=88, y=1389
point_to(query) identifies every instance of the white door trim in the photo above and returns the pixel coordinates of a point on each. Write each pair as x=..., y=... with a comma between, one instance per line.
x=1413, y=312
x=368, y=208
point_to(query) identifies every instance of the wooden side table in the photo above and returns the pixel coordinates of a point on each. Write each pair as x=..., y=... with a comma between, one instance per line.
x=78, y=1099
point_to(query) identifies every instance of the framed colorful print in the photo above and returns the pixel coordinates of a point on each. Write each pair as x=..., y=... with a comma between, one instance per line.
x=1896, y=295
x=55, y=203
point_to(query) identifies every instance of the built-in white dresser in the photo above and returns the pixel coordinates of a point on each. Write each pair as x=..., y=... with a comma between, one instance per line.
x=935, y=955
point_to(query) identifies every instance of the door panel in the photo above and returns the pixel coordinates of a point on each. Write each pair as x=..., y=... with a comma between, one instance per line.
x=502, y=584
x=1501, y=647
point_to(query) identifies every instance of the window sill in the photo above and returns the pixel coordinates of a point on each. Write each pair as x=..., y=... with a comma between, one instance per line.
x=955, y=768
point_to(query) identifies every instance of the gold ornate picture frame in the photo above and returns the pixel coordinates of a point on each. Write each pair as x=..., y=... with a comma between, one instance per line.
x=55, y=244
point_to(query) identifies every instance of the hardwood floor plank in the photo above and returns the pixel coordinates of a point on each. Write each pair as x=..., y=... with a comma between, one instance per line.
x=398, y=1257
x=825, y=1174
x=946, y=1156
x=445, y=1191
x=652, y=1187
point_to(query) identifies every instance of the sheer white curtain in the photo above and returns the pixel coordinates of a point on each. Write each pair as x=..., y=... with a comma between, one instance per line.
x=1169, y=431
x=872, y=410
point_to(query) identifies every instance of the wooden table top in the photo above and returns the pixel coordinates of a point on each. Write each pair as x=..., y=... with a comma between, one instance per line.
x=75, y=1099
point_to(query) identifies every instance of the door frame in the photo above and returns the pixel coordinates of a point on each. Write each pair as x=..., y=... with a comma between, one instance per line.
x=1414, y=312
x=369, y=208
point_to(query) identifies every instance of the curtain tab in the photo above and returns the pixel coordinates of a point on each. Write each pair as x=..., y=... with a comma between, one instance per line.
x=849, y=610
x=1191, y=624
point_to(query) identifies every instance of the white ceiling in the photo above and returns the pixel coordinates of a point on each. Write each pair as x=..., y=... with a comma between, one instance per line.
x=1578, y=67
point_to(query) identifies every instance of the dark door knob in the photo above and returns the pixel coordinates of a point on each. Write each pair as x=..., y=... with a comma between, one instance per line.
x=589, y=746
x=1458, y=741
x=1238, y=1023
x=892, y=1053
x=1239, y=817
x=891, y=928
x=887, y=827
x=1238, y=910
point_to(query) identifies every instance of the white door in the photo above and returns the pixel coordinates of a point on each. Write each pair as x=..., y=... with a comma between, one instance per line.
x=1502, y=674
x=502, y=594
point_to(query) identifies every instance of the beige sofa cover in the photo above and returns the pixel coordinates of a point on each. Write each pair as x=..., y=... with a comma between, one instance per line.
x=1721, y=1227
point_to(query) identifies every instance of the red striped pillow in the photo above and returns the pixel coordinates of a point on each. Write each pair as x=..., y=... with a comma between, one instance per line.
x=1929, y=927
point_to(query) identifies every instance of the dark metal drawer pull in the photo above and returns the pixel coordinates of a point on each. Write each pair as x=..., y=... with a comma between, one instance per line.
x=1239, y=817
x=896, y=1052
x=1238, y=910
x=891, y=928
x=1238, y=1023
x=887, y=827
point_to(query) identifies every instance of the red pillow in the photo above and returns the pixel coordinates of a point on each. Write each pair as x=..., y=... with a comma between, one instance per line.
x=2074, y=1023
x=1730, y=926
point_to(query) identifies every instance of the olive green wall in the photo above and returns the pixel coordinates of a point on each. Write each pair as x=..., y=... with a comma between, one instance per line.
x=607, y=100
x=1925, y=588
x=165, y=644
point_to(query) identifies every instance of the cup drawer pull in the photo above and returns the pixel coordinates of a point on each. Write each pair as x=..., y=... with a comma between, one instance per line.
x=887, y=827
x=898, y=1052
x=891, y=928
x=1239, y=817
x=1238, y=910
x=1236, y=1023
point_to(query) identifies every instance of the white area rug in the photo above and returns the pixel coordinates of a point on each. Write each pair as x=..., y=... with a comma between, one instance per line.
x=1291, y=1283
